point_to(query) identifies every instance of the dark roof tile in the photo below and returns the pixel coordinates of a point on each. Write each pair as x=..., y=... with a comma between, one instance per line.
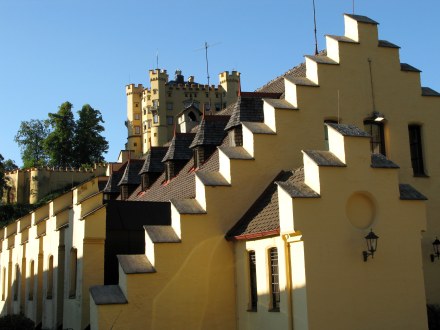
x=362, y=19
x=211, y=131
x=426, y=91
x=324, y=158
x=153, y=160
x=380, y=161
x=349, y=130
x=179, y=147
x=131, y=173
x=407, y=192
x=387, y=44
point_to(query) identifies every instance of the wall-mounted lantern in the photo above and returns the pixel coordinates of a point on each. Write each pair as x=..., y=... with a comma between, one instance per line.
x=436, y=246
x=371, y=239
x=377, y=116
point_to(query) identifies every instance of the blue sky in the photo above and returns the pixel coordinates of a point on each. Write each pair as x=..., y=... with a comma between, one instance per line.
x=86, y=51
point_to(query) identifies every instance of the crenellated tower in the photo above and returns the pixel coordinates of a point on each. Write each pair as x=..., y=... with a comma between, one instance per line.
x=134, y=118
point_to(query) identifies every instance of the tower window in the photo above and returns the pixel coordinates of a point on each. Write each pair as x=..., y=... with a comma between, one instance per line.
x=377, y=142
x=73, y=273
x=253, y=281
x=170, y=120
x=274, y=280
x=415, y=145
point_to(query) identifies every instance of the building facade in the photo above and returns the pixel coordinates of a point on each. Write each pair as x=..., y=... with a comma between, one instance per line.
x=259, y=217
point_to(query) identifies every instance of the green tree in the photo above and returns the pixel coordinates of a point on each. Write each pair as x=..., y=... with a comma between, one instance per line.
x=90, y=145
x=59, y=143
x=2, y=176
x=31, y=137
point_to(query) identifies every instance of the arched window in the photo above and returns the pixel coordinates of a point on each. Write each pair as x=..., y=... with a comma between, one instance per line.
x=416, y=149
x=72, y=273
x=31, y=280
x=49, y=290
x=17, y=281
x=376, y=130
x=192, y=116
x=4, y=283
x=274, y=280
x=253, y=282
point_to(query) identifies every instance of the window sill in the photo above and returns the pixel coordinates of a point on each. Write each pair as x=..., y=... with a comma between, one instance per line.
x=274, y=310
x=252, y=310
x=421, y=176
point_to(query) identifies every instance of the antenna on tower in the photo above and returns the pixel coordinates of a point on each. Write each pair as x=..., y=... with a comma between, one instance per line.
x=314, y=20
x=205, y=47
x=353, y=7
x=157, y=59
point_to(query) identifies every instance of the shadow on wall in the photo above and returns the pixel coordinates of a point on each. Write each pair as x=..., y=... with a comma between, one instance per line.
x=40, y=295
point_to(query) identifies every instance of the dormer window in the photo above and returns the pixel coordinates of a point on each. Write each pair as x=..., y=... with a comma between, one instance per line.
x=124, y=192
x=236, y=136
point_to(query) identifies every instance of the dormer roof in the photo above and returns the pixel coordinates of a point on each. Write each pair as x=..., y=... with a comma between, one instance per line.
x=131, y=173
x=153, y=160
x=249, y=107
x=211, y=131
x=179, y=147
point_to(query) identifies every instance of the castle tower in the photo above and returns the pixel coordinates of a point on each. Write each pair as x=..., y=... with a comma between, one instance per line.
x=134, y=119
x=231, y=85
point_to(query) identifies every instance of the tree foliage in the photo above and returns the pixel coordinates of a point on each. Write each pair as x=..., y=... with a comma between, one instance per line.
x=89, y=145
x=5, y=166
x=59, y=143
x=31, y=138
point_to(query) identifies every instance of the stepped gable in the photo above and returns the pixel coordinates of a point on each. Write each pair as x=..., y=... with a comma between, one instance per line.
x=249, y=107
x=131, y=173
x=277, y=85
x=179, y=147
x=115, y=177
x=262, y=218
x=153, y=160
x=211, y=131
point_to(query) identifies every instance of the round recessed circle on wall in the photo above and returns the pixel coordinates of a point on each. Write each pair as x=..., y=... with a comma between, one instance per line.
x=361, y=210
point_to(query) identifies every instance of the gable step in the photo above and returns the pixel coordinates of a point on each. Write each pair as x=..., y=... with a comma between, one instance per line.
x=301, y=81
x=162, y=234
x=135, y=264
x=426, y=91
x=280, y=104
x=187, y=206
x=258, y=128
x=212, y=179
x=408, y=68
x=107, y=295
x=387, y=44
x=342, y=39
x=321, y=59
x=235, y=152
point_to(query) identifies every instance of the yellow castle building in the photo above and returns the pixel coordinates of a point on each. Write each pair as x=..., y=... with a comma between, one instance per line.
x=153, y=112
x=310, y=203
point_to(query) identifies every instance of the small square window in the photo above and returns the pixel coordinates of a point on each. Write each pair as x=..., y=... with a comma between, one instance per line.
x=137, y=130
x=170, y=120
x=137, y=116
x=169, y=106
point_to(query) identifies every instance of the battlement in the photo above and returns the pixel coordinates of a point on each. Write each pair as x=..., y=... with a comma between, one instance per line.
x=233, y=76
x=48, y=169
x=132, y=88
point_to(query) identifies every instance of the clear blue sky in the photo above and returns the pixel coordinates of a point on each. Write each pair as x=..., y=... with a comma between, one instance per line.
x=86, y=51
